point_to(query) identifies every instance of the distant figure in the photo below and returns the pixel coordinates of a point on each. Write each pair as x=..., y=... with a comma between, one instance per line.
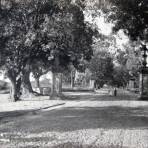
x=115, y=92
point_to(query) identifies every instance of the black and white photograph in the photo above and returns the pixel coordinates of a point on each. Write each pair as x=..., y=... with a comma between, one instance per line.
x=73, y=73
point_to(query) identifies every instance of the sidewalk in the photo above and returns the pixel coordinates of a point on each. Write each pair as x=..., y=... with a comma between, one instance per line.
x=38, y=103
x=32, y=105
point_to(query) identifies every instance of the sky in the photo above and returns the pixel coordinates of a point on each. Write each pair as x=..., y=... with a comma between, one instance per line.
x=97, y=18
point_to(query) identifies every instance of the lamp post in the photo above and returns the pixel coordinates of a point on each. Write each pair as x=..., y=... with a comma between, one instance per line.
x=144, y=75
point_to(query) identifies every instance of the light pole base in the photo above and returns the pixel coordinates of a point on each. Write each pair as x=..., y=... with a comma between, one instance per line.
x=144, y=84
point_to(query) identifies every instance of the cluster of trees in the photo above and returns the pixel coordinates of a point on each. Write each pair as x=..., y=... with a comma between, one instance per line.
x=108, y=68
x=131, y=16
x=104, y=70
x=41, y=35
x=38, y=36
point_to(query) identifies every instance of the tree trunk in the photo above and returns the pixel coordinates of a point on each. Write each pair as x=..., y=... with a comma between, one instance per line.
x=26, y=82
x=72, y=79
x=56, y=85
x=37, y=82
x=26, y=85
x=53, y=85
x=60, y=83
x=15, y=90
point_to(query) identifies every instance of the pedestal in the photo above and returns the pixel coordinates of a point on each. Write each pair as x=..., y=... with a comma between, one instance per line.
x=144, y=84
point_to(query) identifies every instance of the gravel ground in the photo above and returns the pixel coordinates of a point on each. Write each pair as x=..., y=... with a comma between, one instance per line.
x=86, y=120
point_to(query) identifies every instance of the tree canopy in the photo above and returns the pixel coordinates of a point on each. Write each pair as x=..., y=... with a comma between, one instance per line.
x=48, y=30
x=132, y=17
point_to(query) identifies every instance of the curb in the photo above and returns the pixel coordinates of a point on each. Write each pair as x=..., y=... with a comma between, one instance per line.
x=32, y=111
x=48, y=107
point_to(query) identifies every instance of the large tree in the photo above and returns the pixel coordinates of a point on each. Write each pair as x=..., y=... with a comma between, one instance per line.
x=68, y=40
x=51, y=31
x=20, y=35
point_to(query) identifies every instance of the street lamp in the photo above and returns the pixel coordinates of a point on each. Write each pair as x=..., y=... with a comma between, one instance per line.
x=144, y=75
x=144, y=50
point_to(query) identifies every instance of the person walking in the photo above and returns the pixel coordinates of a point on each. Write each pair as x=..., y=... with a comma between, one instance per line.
x=115, y=92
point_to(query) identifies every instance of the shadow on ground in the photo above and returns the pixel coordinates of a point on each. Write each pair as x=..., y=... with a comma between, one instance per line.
x=75, y=118
x=100, y=97
x=71, y=119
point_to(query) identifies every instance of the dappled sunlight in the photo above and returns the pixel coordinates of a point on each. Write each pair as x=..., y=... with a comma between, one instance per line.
x=124, y=103
x=76, y=118
x=103, y=124
x=80, y=120
x=100, y=137
x=29, y=105
x=101, y=95
x=73, y=74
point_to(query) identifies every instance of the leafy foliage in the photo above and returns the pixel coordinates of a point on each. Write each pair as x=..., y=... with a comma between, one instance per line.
x=50, y=31
x=101, y=67
x=132, y=17
x=128, y=63
x=120, y=77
